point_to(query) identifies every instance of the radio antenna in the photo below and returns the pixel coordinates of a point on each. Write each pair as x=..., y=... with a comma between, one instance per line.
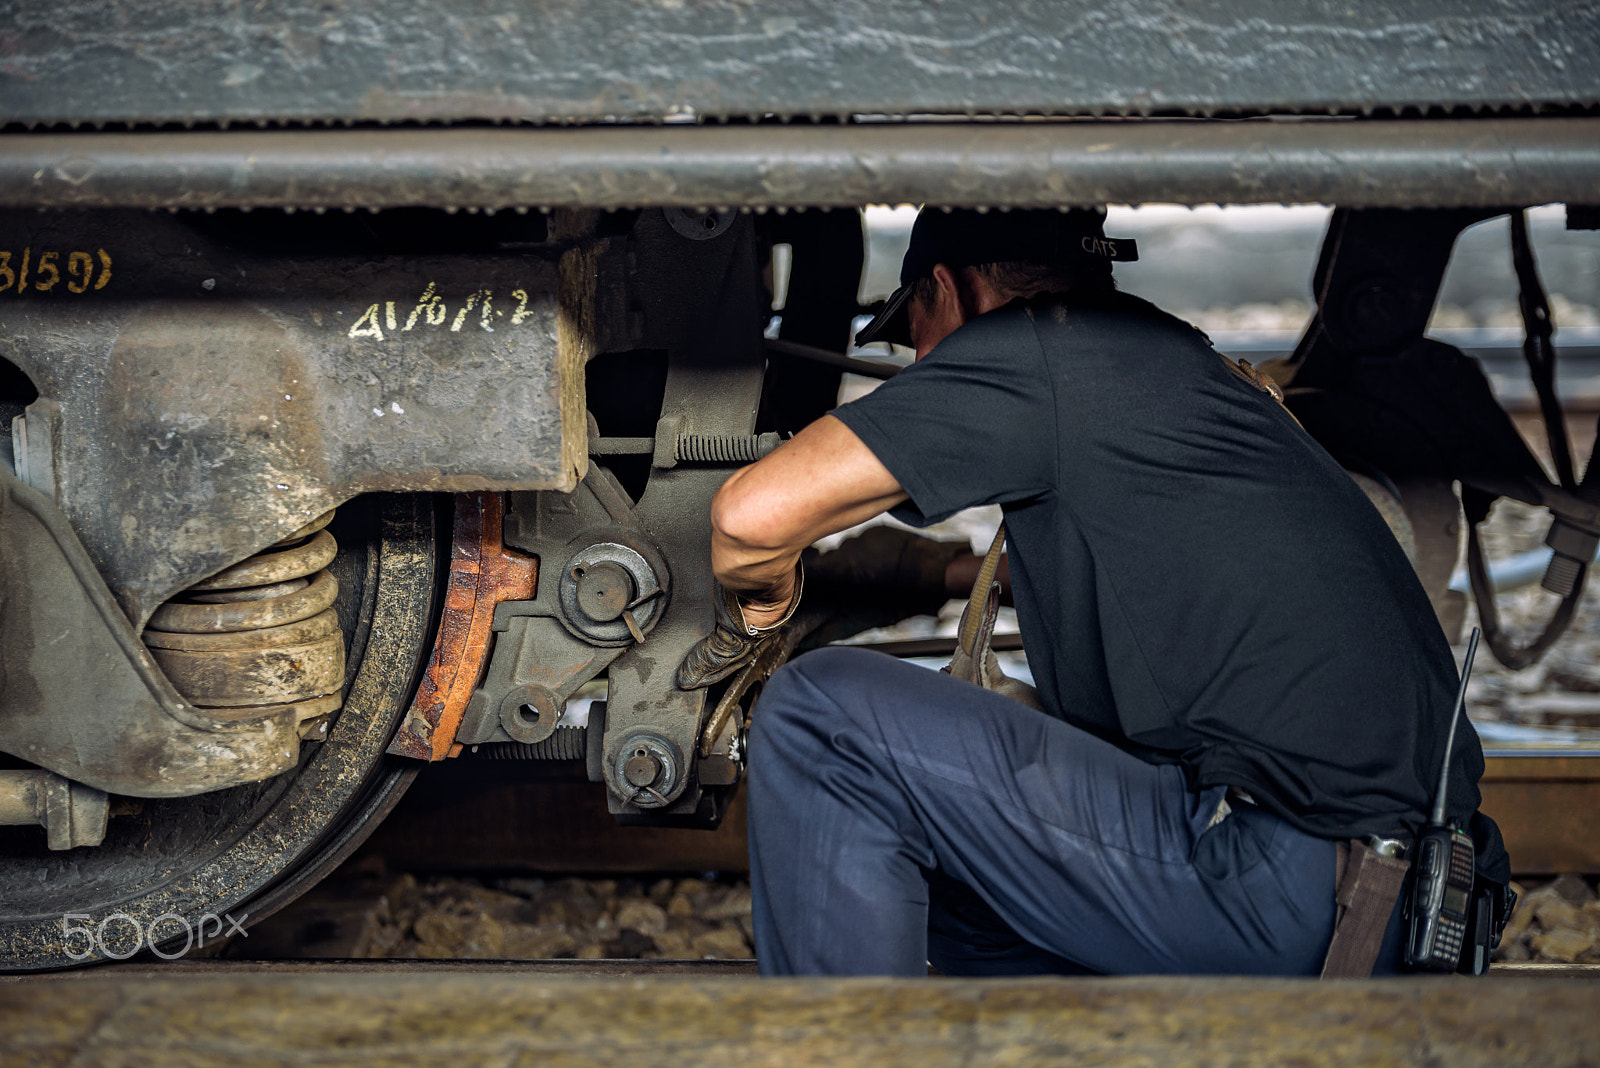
x=1450, y=738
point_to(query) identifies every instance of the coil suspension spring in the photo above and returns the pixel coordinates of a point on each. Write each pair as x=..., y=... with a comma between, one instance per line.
x=260, y=639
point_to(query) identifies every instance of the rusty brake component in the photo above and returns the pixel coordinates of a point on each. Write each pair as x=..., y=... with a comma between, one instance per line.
x=603, y=587
x=625, y=585
x=483, y=573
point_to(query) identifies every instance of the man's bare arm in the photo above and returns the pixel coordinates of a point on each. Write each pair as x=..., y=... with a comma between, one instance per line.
x=821, y=482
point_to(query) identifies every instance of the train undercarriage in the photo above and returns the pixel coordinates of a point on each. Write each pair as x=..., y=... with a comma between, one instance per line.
x=337, y=452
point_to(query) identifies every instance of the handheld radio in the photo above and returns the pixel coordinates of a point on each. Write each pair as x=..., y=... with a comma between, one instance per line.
x=1441, y=906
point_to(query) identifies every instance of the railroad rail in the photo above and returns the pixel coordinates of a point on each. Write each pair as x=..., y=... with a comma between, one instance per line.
x=608, y=1014
x=471, y=814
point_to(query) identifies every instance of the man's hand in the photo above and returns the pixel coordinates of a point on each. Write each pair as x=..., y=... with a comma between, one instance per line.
x=734, y=640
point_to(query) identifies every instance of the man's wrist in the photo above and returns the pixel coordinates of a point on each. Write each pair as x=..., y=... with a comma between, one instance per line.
x=773, y=608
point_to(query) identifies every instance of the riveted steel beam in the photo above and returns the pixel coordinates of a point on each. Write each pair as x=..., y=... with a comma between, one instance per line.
x=1399, y=163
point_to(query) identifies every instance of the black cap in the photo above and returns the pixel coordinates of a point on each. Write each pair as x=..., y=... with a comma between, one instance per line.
x=966, y=238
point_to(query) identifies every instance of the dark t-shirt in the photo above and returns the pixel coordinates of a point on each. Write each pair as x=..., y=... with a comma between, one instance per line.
x=1197, y=580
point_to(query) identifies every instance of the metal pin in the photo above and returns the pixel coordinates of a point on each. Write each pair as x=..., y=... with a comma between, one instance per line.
x=633, y=625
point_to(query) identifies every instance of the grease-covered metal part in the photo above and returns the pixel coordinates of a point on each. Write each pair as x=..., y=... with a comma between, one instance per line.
x=713, y=386
x=566, y=743
x=186, y=61
x=256, y=666
x=211, y=384
x=1395, y=162
x=96, y=708
x=71, y=813
x=269, y=567
x=540, y=656
x=648, y=769
x=609, y=594
x=243, y=674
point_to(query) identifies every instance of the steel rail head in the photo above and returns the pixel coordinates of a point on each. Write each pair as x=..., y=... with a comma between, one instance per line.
x=1399, y=163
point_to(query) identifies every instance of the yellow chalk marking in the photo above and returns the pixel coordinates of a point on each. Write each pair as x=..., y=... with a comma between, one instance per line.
x=422, y=302
x=79, y=265
x=367, y=325
x=461, y=316
x=47, y=263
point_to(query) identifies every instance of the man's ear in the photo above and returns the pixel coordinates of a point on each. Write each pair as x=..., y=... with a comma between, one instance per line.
x=954, y=292
x=969, y=293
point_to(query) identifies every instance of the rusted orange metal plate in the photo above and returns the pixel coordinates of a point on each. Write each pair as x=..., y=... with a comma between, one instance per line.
x=483, y=572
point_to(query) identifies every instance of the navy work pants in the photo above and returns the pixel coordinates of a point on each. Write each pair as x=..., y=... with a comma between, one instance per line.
x=899, y=816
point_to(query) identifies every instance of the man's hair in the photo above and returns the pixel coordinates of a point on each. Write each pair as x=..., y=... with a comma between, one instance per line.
x=1015, y=279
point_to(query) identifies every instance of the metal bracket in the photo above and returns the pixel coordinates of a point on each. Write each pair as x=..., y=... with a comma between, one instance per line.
x=537, y=663
x=71, y=813
x=81, y=694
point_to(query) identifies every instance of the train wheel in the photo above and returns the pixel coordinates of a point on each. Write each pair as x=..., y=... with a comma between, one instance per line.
x=181, y=871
